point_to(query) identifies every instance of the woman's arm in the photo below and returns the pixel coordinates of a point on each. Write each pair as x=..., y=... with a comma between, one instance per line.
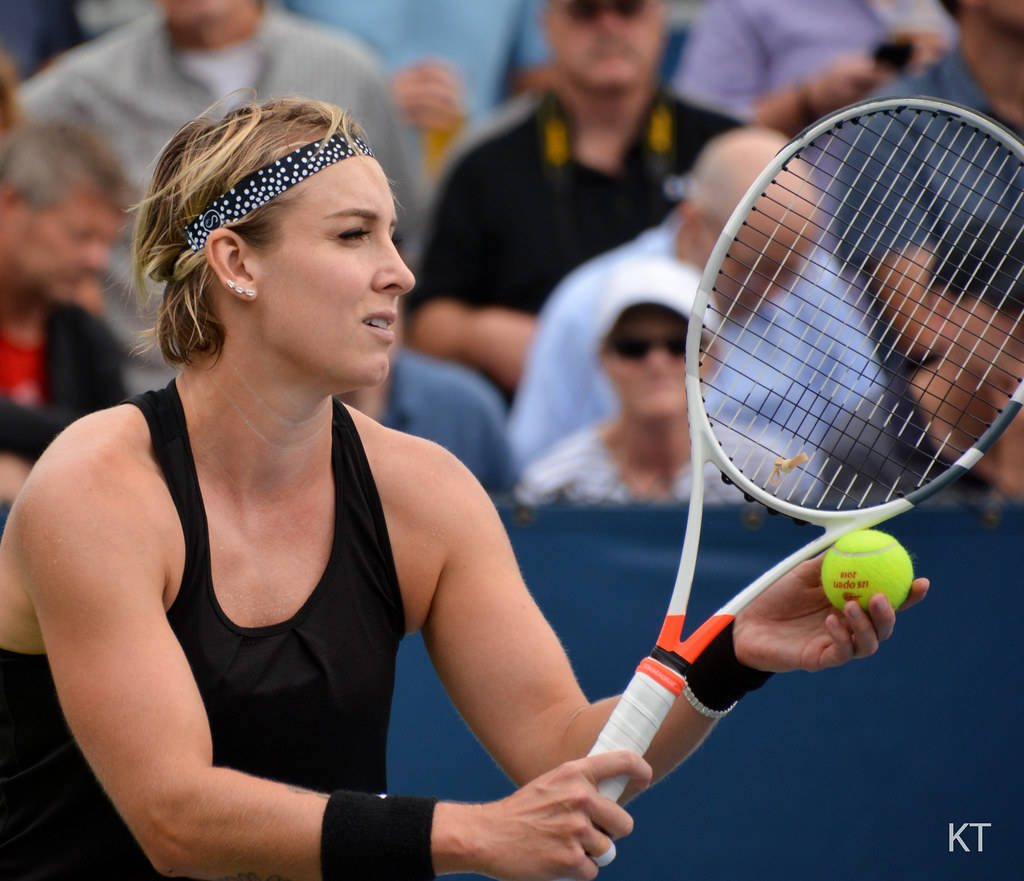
x=97, y=549
x=498, y=658
x=506, y=671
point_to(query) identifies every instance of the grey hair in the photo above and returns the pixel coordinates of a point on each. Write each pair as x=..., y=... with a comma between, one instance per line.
x=45, y=161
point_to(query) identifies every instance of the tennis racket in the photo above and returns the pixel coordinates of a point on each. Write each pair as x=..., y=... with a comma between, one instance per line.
x=856, y=345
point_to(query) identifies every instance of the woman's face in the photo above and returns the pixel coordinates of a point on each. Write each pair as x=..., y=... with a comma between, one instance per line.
x=328, y=286
x=644, y=361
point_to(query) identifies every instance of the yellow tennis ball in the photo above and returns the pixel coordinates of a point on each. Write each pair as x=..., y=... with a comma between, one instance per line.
x=864, y=563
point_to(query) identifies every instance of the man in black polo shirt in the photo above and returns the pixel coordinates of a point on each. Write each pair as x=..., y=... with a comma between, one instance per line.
x=555, y=180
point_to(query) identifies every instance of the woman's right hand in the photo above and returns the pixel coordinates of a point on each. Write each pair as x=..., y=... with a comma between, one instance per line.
x=550, y=828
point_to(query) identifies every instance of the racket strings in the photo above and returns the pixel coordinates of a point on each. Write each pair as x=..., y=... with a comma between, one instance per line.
x=903, y=217
x=865, y=342
x=804, y=316
x=923, y=150
x=796, y=424
x=883, y=329
x=1016, y=192
x=948, y=332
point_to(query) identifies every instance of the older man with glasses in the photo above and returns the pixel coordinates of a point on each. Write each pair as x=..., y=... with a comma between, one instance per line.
x=554, y=180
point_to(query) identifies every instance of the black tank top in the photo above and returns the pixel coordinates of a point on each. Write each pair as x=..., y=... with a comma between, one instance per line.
x=305, y=701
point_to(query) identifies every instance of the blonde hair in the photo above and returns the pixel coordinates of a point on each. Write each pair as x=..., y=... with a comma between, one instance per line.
x=201, y=162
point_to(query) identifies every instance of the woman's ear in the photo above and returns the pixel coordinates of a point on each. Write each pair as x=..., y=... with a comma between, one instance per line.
x=229, y=257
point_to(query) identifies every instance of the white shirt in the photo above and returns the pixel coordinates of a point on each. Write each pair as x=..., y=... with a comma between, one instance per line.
x=580, y=469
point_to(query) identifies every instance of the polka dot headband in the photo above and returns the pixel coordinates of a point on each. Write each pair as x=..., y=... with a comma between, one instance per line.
x=258, y=188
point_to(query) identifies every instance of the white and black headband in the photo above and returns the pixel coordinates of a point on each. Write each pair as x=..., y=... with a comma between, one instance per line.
x=258, y=188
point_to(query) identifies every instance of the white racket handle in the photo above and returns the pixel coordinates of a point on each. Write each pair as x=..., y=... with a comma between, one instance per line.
x=632, y=725
x=635, y=720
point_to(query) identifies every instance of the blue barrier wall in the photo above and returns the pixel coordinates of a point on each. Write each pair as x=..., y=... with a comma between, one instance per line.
x=847, y=775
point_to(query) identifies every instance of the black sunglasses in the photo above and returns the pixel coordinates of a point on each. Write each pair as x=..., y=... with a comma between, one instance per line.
x=587, y=10
x=636, y=349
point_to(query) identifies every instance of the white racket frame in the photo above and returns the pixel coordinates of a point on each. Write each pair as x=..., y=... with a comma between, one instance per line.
x=646, y=702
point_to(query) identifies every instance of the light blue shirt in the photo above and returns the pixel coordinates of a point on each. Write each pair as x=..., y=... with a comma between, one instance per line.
x=485, y=39
x=808, y=374
x=563, y=388
x=456, y=408
x=803, y=363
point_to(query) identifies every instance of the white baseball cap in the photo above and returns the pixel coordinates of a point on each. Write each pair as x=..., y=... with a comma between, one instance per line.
x=661, y=281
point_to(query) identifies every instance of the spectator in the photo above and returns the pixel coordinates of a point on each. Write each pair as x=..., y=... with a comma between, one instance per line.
x=563, y=387
x=975, y=358
x=62, y=198
x=448, y=404
x=984, y=70
x=449, y=62
x=642, y=454
x=785, y=63
x=138, y=83
x=789, y=305
x=982, y=73
x=958, y=329
x=557, y=179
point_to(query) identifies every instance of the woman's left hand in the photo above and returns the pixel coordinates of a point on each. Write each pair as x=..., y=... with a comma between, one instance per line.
x=794, y=626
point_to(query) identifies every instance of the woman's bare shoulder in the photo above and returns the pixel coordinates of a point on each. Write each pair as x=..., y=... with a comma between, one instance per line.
x=412, y=470
x=112, y=444
x=93, y=519
x=99, y=475
x=439, y=517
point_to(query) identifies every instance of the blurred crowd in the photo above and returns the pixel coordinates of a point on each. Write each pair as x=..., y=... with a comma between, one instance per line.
x=562, y=170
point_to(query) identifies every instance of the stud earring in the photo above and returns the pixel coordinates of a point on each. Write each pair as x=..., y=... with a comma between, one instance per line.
x=231, y=285
x=250, y=293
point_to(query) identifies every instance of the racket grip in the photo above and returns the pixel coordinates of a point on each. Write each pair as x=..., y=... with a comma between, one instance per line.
x=633, y=723
x=637, y=717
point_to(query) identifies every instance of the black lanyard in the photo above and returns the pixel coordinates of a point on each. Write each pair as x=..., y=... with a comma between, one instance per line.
x=659, y=155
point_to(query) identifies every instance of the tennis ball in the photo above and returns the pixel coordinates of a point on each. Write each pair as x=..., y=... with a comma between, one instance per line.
x=864, y=563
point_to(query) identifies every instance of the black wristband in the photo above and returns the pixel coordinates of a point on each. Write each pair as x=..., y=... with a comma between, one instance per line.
x=377, y=838
x=717, y=679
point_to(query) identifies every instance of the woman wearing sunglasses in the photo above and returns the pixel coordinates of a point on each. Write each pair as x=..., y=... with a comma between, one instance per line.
x=642, y=454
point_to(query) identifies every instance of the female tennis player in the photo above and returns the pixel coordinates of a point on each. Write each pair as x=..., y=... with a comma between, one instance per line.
x=202, y=591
